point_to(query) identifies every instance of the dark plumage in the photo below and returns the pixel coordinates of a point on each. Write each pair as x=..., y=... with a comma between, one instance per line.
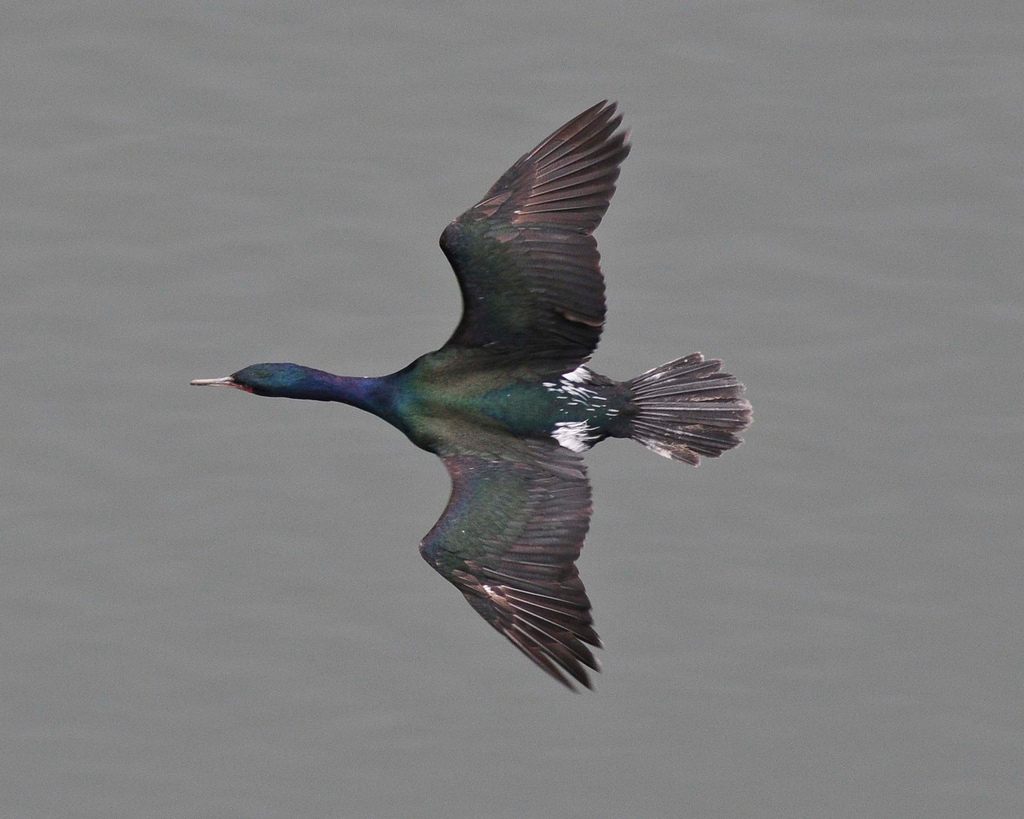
x=508, y=404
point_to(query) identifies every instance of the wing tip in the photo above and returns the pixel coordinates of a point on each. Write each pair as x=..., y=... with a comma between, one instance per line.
x=569, y=674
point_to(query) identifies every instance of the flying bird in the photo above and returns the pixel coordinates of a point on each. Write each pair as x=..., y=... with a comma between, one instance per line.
x=509, y=403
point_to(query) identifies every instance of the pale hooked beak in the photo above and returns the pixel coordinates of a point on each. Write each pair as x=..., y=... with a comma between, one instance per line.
x=227, y=381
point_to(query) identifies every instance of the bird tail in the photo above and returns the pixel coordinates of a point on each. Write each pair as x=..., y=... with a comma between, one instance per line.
x=687, y=408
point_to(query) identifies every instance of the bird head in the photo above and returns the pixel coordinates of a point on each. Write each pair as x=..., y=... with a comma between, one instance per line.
x=262, y=379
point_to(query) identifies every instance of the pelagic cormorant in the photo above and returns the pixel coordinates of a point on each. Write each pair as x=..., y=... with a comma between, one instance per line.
x=509, y=404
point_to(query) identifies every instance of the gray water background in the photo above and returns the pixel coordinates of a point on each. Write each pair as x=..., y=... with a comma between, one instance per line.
x=212, y=605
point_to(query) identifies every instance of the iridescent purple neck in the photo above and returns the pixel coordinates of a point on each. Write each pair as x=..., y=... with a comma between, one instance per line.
x=318, y=385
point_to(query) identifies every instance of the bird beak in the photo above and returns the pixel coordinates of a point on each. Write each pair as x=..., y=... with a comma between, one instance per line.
x=227, y=381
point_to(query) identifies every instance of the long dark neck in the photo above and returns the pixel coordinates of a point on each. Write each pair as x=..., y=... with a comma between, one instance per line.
x=370, y=394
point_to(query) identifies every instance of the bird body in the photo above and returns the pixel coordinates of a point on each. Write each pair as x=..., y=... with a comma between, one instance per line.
x=438, y=392
x=509, y=405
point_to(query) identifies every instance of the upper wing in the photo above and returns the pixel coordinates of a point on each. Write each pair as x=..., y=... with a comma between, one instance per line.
x=527, y=265
x=509, y=539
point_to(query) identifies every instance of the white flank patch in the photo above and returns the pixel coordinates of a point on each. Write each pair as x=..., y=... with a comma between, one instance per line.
x=581, y=375
x=574, y=435
x=569, y=388
x=572, y=384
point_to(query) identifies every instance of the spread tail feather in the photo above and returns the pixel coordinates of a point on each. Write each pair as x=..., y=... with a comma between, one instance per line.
x=687, y=408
